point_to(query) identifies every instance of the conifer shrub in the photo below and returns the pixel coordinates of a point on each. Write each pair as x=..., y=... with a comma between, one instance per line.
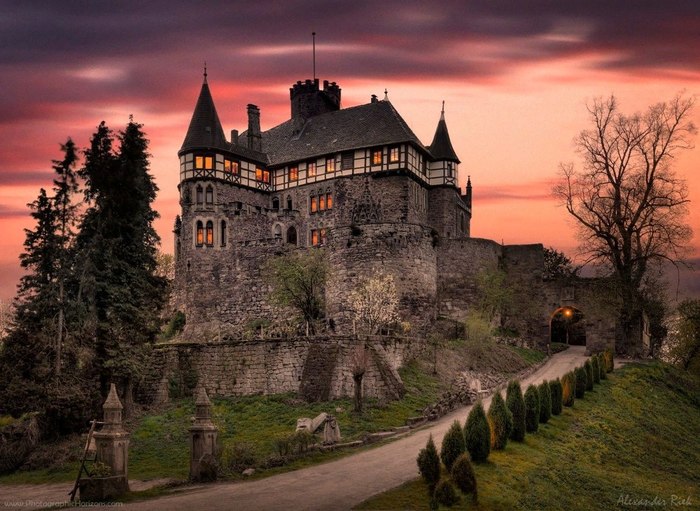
x=545, y=393
x=500, y=422
x=556, y=393
x=446, y=493
x=588, y=367
x=568, y=383
x=532, y=409
x=477, y=434
x=596, y=369
x=581, y=382
x=429, y=464
x=516, y=404
x=464, y=477
x=452, y=445
x=601, y=366
x=609, y=360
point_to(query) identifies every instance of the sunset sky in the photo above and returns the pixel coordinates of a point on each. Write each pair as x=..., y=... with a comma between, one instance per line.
x=515, y=77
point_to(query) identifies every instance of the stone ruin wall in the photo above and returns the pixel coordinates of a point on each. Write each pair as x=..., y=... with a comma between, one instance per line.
x=317, y=368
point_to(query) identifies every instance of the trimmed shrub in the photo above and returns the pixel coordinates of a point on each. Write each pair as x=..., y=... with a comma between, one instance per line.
x=452, y=445
x=477, y=434
x=609, y=360
x=500, y=422
x=446, y=493
x=532, y=409
x=556, y=390
x=588, y=367
x=596, y=369
x=464, y=477
x=239, y=456
x=581, y=382
x=568, y=393
x=516, y=404
x=429, y=464
x=545, y=401
x=601, y=366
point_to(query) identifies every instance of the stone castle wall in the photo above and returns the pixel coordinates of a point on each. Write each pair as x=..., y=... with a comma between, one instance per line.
x=239, y=367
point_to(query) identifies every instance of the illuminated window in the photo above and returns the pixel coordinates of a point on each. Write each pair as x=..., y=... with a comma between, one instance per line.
x=311, y=168
x=204, y=162
x=199, y=240
x=314, y=204
x=322, y=203
x=210, y=195
x=208, y=162
x=318, y=237
x=223, y=233
x=210, y=233
x=293, y=173
x=330, y=165
x=262, y=175
x=377, y=157
x=314, y=237
x=231, y=166
x=329, y=201
x=199, y=162
x=394, y=154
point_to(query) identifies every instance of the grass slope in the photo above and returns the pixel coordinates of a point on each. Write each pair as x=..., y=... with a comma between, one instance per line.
x=633, y=439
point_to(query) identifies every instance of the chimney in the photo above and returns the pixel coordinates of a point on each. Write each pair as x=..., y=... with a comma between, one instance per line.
x=254, y=136
x=234, y=137
x=374, y=98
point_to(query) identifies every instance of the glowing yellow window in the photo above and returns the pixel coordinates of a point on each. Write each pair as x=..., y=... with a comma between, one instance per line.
x=209, y=162
x=200, y=234
x=293, y=173
x=199, y=162
x=266, y=176
x=311, y=169
x=322, y=203
x=394, y=154
x=330, y=165
x=210, y=233
x=377, y=157
x=329, y=201
x=314, y=204
x=314, y=237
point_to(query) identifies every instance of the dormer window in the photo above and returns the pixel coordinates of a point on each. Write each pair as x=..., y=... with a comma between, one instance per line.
x=330, y=165
x=376, y=157
x=231, y=166
x=393, y=154
x=203, y=162
x=293, y=174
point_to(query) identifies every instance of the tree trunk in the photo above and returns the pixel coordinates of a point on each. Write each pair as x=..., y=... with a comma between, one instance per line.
x=357, y=378
x=59, y=338
x=128, y=397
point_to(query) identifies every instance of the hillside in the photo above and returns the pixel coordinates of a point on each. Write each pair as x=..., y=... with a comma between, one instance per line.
x=632, y=442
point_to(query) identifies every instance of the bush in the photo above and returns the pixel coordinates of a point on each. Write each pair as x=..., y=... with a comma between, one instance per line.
x=545, y=393
x=516, y=405
x=581, y=382
x=609, y=360
x=557, y=397
x=477, y=434
x=500, y=422
x=463, y=475
x=238, y=457
x=532, y=409
x=445, y=493
x=588, y=367
x=429, y=464
x=452, y=445
x=601, y=366
x=175, y=325
x=568, y=392
x=596, y=369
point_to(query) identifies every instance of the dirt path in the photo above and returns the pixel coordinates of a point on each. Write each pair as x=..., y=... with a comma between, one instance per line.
x=343, y=483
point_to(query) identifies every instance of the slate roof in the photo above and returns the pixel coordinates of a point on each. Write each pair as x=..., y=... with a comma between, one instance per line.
x=372, y=124
x=205, y=129
x=441, y=147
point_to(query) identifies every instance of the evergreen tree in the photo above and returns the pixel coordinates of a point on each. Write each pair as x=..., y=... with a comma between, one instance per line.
x=477, y=434
x=588, y=367
x=429, y=464
x=452, y=445
x=500, y=422
x=464, y=477
x=557, y=398
x=581, y=381
x=596, y=368
x=532, y=409
x=545, y=393
x=516, y=405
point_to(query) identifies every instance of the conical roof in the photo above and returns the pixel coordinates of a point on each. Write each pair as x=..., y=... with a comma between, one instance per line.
x=441, y=147
x=205, y=129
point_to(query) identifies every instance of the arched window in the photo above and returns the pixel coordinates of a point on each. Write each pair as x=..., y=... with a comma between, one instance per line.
x=289, y=202
x=200, y=195
x=278, y=231
x=276, y=203
x=210, y=233
x=292, y=236
x=223, y=233
x=210, y=195
x=199, y=236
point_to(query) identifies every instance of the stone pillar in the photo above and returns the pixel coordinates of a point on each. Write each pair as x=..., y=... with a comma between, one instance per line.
x=203, y=435
x=112, y=450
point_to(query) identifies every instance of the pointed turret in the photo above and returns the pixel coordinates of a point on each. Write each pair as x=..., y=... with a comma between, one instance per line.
x=441, y=147
x=205, y=129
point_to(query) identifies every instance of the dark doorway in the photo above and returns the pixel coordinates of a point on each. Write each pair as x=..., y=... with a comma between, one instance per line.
x=568, y=326
x=292, y=236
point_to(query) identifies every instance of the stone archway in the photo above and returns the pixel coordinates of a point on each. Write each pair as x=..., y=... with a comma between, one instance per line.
x=567, y=325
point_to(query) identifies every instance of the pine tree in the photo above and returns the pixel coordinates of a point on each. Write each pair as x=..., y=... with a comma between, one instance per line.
x=557, y=398
x=464, y=477
x=429, y=464
x=452, y=445
x=477, y=434
x=596, y=368
x=545, y=393
x=532, y=409
x=516, y=405
x=500, y=422
x=588, y=367
x=581, y=382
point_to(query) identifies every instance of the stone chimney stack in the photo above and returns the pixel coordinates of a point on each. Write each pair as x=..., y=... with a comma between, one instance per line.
x=254, y=135
x=234, y=137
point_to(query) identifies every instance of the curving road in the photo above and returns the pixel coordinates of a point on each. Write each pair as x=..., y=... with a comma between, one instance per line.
x=343, y=483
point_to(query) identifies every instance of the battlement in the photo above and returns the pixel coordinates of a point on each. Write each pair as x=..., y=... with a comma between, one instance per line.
x=308, y=100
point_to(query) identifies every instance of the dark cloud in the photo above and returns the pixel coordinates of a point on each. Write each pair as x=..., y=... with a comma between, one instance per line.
x=11, y=212
x=534, y=190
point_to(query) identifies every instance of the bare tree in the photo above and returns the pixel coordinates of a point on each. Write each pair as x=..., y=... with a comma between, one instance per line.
x=375, y=303
x=359, y=367
x=629, y=204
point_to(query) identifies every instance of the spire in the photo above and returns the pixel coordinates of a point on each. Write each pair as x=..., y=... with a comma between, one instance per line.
x=205, y=129
x=386, y=94
x=441, y=147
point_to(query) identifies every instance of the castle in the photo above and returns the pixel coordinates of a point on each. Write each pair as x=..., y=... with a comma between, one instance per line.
x=356, y=181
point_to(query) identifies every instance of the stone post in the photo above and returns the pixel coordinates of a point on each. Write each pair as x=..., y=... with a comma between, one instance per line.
x=112, y=450
x=203, y=435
